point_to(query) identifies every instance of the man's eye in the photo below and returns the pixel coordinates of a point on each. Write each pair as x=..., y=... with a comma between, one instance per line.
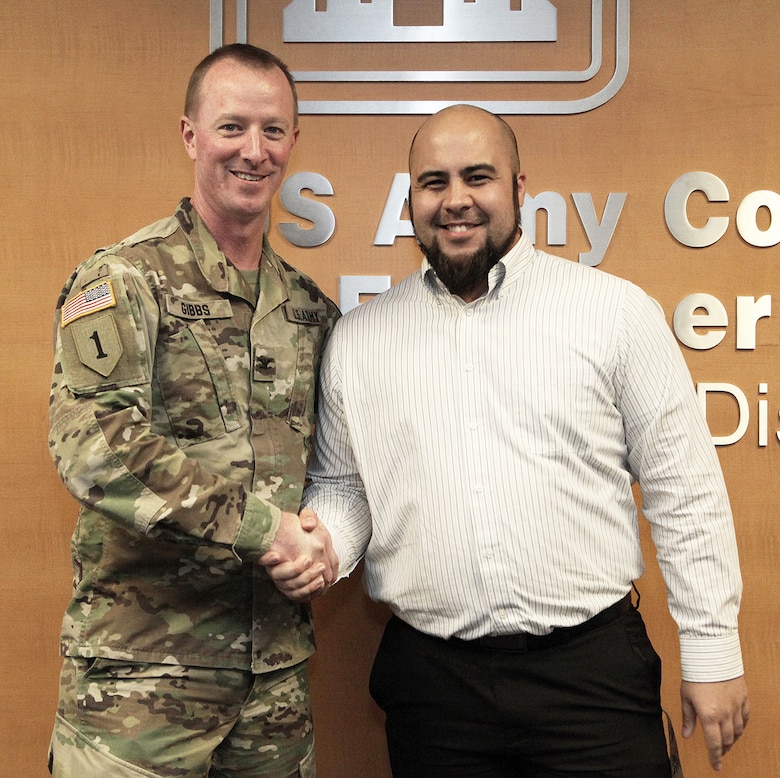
x=230, y=127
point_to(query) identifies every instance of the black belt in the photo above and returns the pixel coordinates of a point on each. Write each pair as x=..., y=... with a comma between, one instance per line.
x=525, y=641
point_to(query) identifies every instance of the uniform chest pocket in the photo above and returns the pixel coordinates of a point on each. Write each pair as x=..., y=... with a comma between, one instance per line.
x=195, y=385
x=285, y=375
x=302, y=411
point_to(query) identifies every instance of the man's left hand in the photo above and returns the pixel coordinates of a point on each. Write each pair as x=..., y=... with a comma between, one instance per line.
x=299, y=574
x=723, y=710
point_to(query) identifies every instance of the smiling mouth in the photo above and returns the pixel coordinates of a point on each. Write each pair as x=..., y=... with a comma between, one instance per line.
x=247, y=176
x=458, y=227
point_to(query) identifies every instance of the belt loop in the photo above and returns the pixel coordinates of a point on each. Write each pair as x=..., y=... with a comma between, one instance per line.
x=638, y=595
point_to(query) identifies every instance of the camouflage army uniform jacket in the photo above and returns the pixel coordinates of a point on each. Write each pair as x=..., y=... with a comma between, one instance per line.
x=181, y=420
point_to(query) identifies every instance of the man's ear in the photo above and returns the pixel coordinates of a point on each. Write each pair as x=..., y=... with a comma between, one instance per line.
x=187, y=129
x=520, y=183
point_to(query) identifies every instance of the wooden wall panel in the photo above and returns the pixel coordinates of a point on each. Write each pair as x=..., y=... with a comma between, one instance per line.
x=91, y=94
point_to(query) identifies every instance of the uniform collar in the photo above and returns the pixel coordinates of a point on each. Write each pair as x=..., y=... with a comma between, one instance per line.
x=216, y=267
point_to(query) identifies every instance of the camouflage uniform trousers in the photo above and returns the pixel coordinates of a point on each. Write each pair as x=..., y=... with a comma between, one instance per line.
x=123, y=719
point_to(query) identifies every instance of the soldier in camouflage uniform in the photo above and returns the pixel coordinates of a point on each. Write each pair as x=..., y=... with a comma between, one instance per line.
x=182, y=410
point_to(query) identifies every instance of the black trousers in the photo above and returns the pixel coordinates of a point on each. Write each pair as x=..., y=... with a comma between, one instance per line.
x=456, y=709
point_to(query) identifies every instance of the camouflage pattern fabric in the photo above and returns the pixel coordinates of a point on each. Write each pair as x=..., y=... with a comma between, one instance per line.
x=126, y=720
x=181, y=420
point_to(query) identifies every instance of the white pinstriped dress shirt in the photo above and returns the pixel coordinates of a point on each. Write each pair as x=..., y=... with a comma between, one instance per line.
x=481, y=457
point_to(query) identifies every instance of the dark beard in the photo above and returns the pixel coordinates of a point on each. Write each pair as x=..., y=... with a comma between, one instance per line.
x=464, y=275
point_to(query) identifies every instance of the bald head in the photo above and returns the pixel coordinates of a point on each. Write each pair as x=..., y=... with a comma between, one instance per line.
x=463, y=118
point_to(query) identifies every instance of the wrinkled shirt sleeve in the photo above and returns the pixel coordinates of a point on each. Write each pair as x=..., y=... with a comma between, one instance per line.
x=684, y=495
x=335, y=489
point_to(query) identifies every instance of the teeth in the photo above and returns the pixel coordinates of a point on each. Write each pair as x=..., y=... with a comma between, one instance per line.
x=247, y=177
x=457, y=227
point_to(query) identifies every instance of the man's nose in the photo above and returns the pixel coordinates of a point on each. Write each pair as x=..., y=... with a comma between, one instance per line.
x=458, y=196
x=254, y=148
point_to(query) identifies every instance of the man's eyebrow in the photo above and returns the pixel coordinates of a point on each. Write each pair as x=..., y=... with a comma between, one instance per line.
x=432, y=174
x=241, y=118
x=484, y=167
x=229, y=117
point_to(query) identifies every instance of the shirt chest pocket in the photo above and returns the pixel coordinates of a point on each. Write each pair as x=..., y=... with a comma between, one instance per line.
x=195, y=385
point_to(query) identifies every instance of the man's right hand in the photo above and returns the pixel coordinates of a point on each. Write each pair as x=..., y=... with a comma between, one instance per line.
x=301, y=560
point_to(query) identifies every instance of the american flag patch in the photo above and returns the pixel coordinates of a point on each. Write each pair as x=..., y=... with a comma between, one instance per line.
x=96, y=298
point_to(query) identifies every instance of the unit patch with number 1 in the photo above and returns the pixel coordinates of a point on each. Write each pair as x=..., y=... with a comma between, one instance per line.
x=95, y=328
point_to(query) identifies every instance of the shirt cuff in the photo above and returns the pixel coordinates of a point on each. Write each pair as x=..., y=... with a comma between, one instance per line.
x=347, y=561
x=258, y=529
x=706, y=660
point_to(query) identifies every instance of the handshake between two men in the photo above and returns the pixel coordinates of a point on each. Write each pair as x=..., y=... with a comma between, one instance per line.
x=301, y=560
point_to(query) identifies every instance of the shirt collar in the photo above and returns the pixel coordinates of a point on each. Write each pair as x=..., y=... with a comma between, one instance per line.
x=502, y=275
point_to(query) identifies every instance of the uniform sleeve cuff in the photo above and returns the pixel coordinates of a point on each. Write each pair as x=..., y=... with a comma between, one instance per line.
x=705, y=660
x=258, y=529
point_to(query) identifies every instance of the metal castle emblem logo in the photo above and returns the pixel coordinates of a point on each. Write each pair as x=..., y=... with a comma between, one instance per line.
x=536, y=22
x=355, y=21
